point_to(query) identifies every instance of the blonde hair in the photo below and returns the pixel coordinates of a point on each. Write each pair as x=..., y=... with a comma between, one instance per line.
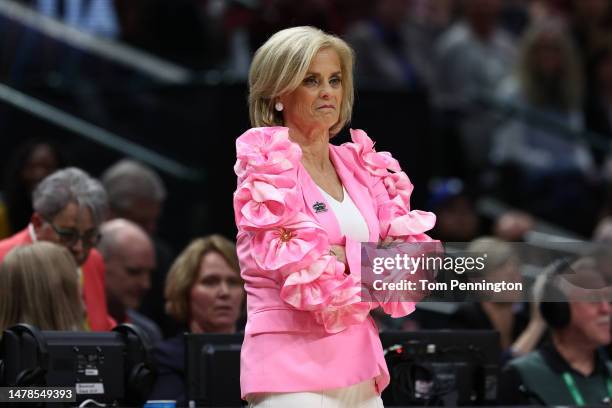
x=39, y=285
x=572, y=81
x=185, y=270
x=280, y=65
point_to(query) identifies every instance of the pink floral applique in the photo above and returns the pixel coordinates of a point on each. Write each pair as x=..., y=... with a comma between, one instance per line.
x=336, y=319
x=319, y=285
x=265, y=201
x=265, y=150
x=377, y=163
x=291, y=246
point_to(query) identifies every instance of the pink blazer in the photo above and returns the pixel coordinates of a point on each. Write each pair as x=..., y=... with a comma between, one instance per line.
x=307, y=329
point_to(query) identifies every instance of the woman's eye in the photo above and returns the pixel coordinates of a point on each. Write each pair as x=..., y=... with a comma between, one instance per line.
x=209, y=281
x=311, y=81
x=335, y=81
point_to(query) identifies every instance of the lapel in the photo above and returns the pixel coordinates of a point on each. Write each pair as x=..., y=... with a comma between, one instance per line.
x=359, y=193
x=312, y=197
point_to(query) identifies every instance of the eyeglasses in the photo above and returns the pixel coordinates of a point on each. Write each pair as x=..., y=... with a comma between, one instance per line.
x=69, y=237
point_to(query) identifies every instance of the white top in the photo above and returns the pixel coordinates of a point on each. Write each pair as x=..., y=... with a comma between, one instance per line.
x=352, y=223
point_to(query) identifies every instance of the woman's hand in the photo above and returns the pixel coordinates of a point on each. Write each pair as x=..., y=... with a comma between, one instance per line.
x=339, y=252
x=387, y=242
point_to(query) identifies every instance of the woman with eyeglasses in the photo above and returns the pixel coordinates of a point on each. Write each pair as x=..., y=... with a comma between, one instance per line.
x=69, y=206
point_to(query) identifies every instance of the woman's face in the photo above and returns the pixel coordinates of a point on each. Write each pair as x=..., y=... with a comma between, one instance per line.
x=216, y=297
x=316, y=102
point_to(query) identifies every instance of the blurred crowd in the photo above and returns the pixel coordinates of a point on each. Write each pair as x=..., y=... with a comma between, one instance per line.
x=521, y=92
x=61, y=220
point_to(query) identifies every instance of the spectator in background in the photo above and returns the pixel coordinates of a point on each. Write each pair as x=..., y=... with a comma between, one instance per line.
x=391, y=49
x=129, y=257
x=69, y=207
x=137, y=193
x=204, y=291
x=603, y=230
x=513, y=225
x=39, y=286
x=473, y=56
x=570, y=370
x=598, y=107
x=503, y=312
x=27, y=166
x=457, y=220
x=551, y=168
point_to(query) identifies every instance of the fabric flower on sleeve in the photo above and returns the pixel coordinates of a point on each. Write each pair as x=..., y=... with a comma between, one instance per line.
x=265, y=150
x=264, y=201
x=312, y=280
x=398, y=184
x=292, y=246
x=336, y=319
x=376, y=162
x=320, y=285
x=397, y=221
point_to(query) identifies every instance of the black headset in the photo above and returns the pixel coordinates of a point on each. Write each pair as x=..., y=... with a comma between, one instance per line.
x=35, y=375
x=141, y=375
x=557, y=314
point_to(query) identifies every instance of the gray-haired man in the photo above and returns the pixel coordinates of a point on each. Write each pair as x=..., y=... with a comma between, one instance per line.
x=69, y=207
x=137, y=193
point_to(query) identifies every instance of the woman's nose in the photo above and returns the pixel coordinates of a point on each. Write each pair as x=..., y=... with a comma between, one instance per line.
x=325, y=91
x=224, y=289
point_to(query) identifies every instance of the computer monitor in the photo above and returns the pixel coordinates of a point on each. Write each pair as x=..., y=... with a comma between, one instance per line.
x=442, y=367
x=213, y=369
x=108, y=367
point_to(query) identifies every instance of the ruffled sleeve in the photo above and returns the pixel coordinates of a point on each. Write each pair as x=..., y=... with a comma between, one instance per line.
x=391, y=189
x=284, y=241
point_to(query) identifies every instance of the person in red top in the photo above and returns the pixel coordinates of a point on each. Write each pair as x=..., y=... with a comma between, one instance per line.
x=69, y=207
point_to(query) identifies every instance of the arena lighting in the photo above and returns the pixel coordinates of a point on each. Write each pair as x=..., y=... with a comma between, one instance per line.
x=108, y=367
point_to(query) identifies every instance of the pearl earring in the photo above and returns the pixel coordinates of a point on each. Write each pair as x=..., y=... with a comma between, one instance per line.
x=279, y=106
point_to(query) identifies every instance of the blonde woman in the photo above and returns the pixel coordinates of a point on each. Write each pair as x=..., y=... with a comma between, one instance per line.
x=545, y=170
x=204, y=292
x=302, y=208
x=39, y=285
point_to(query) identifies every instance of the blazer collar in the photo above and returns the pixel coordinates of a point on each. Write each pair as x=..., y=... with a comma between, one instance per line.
x=359, y=192
x=320, y=209
x=318, y=206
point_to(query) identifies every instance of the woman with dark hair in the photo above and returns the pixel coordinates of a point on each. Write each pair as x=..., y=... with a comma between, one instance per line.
x=28, y=165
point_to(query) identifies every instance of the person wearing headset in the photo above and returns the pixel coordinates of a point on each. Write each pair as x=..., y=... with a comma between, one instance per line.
x=571, y=369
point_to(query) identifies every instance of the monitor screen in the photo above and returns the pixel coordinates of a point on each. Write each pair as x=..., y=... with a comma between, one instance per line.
x=213, y=369
x=87, y=361
x=107, y=367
